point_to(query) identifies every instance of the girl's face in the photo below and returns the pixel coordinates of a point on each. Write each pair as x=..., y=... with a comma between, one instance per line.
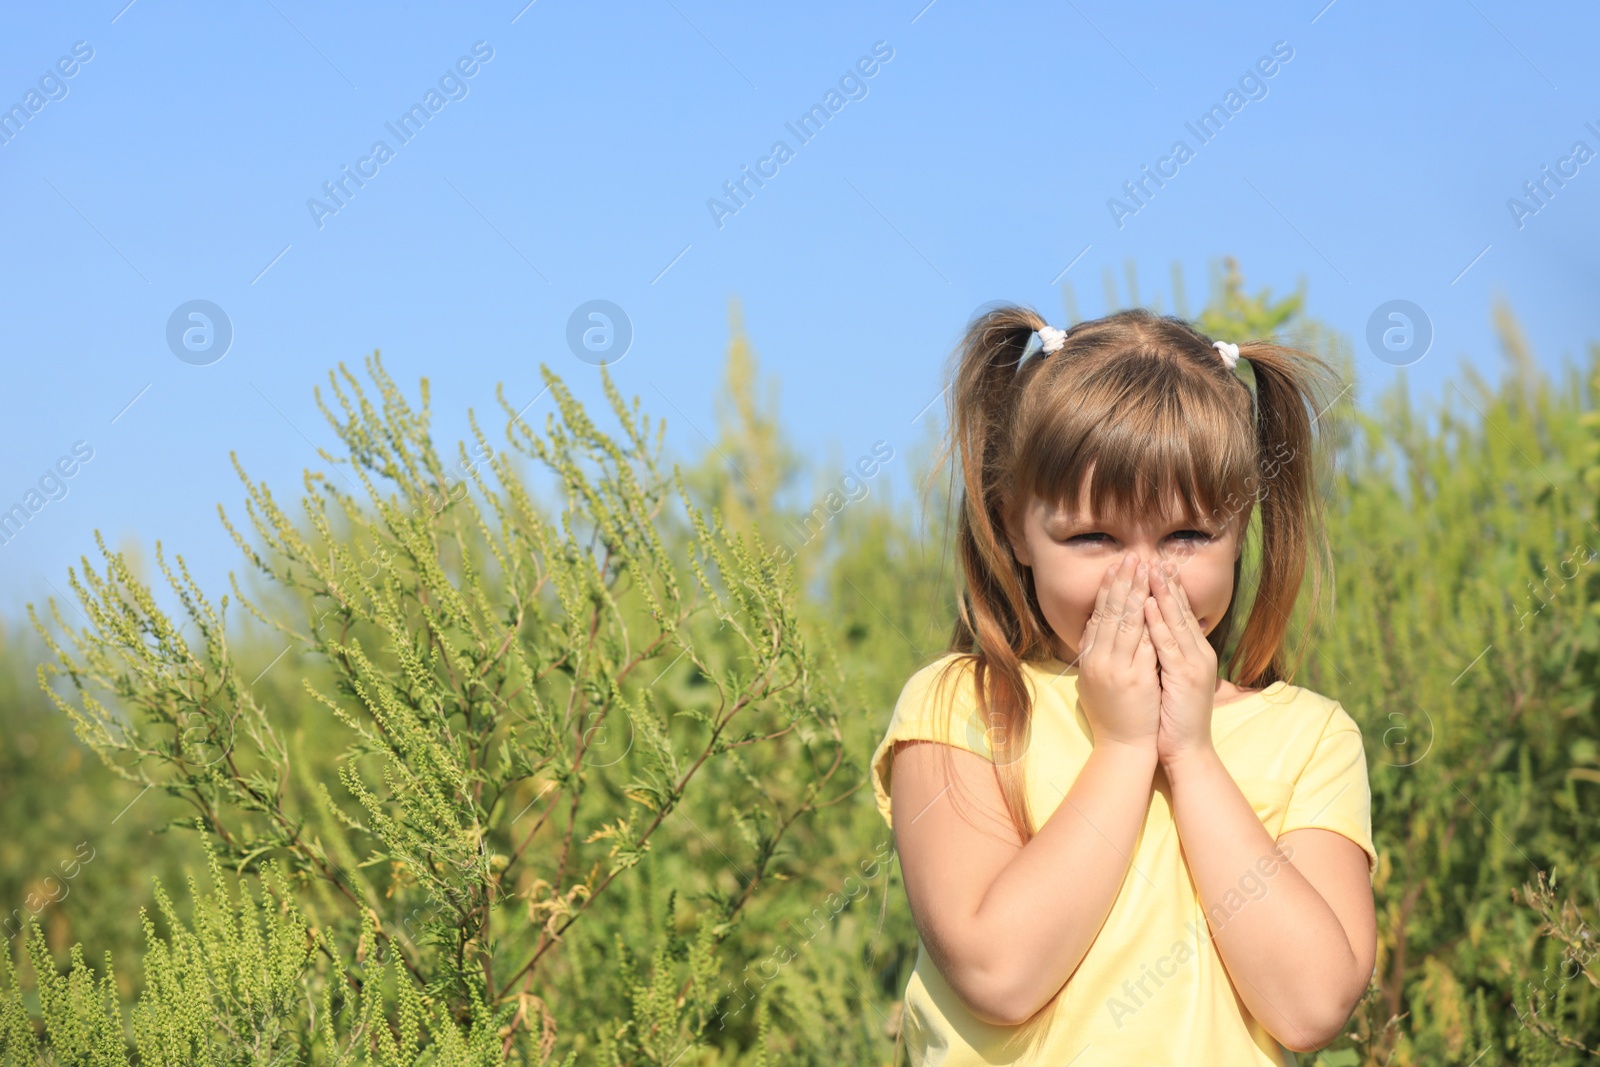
x=1070, y=551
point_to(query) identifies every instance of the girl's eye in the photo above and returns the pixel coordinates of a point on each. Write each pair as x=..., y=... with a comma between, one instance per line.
x=1199, y=537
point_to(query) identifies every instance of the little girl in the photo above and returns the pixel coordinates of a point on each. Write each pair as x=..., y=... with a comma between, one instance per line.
x=1113, y=855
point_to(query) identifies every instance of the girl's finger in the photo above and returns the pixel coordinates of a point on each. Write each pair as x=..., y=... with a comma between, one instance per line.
x=1145, y=657
x=1116, y=602
x=1179, y=622
x=1130, y=628
x=1091, y=628
x=1188, y=612
x=1160, y=633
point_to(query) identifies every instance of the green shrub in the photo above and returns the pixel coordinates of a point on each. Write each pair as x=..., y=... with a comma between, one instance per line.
x=530, y=705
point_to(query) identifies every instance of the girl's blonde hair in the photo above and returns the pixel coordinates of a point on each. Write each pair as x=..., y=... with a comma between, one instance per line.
x=1143, y=406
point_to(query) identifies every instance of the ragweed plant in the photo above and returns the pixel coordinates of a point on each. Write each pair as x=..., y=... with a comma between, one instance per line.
x=535, y=719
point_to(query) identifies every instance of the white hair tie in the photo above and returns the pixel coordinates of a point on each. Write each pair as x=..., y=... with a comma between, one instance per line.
x=1052, y=338
x=1230, y=352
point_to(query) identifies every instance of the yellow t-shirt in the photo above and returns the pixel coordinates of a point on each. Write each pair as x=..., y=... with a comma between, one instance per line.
x=1152, y=989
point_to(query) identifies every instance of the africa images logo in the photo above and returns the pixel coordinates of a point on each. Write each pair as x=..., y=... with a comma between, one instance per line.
x=451, y=86
x=52, y=86
x=52, y=485
x=852, y=86
x=1252, y=85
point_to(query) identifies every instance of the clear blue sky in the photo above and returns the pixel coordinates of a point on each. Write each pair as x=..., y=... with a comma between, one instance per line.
x=975, y=164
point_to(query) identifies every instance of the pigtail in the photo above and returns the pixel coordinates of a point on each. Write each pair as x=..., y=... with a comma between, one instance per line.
x=993, y=610
x=1292, y=400
x=997, y=623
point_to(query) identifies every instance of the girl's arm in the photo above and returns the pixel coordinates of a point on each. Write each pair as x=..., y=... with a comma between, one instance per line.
x=1008, y=923
x=1300, y=953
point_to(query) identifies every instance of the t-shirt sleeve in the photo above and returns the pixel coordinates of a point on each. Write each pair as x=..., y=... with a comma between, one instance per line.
x=923, y=703
x=1333, y=792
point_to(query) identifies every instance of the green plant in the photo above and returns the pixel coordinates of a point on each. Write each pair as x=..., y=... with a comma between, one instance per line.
x=479, y=657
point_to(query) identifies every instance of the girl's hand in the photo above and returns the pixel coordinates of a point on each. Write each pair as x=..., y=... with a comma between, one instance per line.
x=1188, y=669
x=1118, y=684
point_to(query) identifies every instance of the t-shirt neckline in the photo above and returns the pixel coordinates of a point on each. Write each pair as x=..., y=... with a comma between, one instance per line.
x=1056, y=668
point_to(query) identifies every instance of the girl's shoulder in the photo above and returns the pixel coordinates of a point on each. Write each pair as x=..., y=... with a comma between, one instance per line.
x=1291, y=708
x=1311, y=699
x=950, y=673
x=958, y=670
